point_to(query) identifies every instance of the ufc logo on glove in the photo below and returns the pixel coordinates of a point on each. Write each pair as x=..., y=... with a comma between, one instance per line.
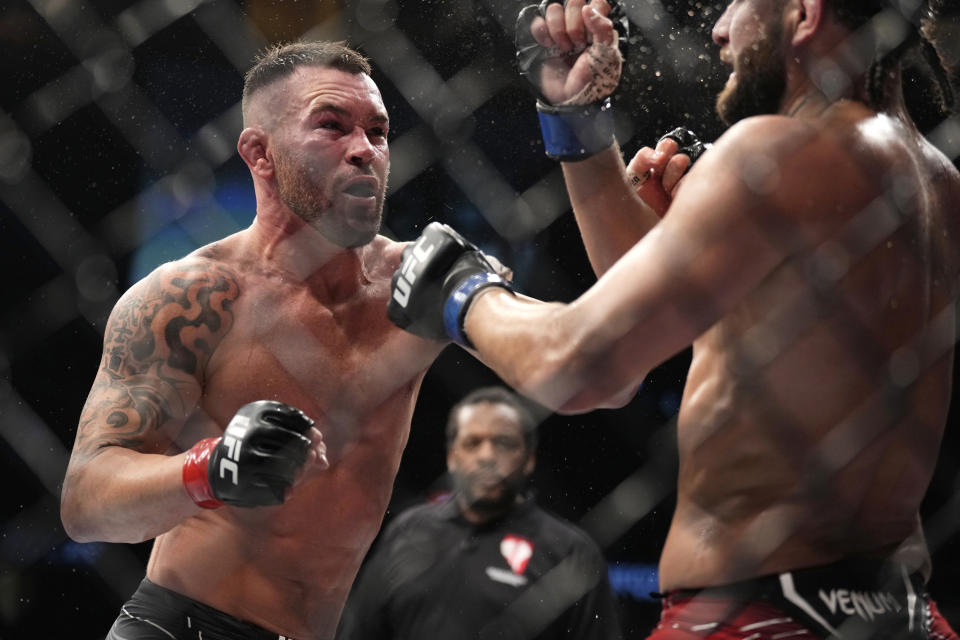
x=268, y=439
x=232, y=440
x=408, y=275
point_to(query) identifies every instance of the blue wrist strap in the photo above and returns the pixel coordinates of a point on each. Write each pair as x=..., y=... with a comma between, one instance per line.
x=576, y=132
x=455, y=307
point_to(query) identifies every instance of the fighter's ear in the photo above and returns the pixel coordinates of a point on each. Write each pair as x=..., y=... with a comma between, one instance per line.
x=252, y=147
x=804, y=19
x=530, y=464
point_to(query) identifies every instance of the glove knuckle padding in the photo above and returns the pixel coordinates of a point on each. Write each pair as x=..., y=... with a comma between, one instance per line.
x=529, y=52
x=687, y=142
x=260, y=453
x=417, y=287
x=286, y=416
x=438, y=277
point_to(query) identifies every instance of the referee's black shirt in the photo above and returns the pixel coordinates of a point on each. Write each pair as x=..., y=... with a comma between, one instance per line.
x=435, y=576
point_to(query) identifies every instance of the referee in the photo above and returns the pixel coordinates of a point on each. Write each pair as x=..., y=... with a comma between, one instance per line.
x=486, y=562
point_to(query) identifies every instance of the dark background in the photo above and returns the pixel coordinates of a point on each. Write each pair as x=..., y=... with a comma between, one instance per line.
x=118, y=124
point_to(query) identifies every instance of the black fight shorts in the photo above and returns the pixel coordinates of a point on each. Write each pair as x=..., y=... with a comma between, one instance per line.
x=155, y=613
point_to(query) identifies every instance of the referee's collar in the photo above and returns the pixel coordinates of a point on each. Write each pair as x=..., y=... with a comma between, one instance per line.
x=450, y=510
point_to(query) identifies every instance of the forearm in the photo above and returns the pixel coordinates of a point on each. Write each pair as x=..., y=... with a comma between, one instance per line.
x=545, y=350
x=610, y=215
x=124, y=496
x=518, y=338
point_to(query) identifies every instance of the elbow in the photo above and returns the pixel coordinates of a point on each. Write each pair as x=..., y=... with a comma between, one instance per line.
x=71, y=515
x=552, y=377
x=578, y=364
x=76, y=533
x=599, y=399
x=82, y=525
x=571, y=377
x=592, y=373
x=77, y=515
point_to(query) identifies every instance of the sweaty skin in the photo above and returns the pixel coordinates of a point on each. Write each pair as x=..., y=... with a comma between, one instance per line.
x=291, y=567
x=814, y=408
x=274, y=312
x=812, y=262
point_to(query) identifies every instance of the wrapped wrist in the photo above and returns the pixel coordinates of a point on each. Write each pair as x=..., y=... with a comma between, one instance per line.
x=196, y=480
x=576, y=132
x=457, y=303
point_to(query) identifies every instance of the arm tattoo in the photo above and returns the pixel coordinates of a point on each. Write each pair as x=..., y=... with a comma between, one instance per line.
x=156, y=347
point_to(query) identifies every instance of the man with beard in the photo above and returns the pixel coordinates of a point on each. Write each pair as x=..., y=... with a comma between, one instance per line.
x=190, y=435
x=812, y=259
x=485, y=562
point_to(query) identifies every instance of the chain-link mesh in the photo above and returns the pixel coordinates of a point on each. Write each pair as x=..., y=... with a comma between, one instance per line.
x=118, y=123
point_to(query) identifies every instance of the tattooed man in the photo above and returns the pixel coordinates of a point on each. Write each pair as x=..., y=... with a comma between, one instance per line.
x=261, y=525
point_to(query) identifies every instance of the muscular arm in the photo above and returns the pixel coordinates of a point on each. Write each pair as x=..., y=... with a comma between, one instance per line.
x=723, y=237
x=610, y=215
x=122, y=484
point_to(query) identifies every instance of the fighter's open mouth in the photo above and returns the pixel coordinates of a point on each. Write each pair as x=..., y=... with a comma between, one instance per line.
x=361, y=190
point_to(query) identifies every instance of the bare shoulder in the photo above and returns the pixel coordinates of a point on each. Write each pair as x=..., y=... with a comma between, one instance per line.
x=773, y=152
x=940, y=166
x=760, y=132
x=178, y=313
x=805, y=170
x=757, y=162
x=157, y=342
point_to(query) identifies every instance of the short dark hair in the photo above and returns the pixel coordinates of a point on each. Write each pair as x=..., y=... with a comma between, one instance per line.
x=281, y=60
x=495, y=395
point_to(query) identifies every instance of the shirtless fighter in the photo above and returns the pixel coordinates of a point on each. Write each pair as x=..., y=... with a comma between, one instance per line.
x=811, y=257
x=287, y=313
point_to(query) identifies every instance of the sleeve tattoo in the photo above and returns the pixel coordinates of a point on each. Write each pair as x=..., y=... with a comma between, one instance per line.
x=156, y=347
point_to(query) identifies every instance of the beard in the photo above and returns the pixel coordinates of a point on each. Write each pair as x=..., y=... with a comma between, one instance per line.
x=760, y=80
x=511, y=487
x=305, y=194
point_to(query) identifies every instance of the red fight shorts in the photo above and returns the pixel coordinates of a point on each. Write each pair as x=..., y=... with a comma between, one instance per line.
x=837, y=601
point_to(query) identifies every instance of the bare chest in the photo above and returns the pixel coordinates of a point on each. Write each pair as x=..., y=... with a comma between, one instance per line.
x=344, y=364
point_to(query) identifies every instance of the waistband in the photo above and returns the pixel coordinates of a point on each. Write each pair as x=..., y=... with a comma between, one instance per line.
x=194, y=616
x=866, y=598
x=858, y=572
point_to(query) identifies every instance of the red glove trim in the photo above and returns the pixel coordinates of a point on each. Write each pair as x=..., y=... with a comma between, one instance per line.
x=195, y=478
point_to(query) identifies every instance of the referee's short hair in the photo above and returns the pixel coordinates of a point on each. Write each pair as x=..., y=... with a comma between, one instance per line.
x=495, y=395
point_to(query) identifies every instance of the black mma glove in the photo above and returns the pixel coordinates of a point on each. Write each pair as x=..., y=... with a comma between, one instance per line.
x=438, y=278
x=688, y=142
x=254, y=462
x=582, y=125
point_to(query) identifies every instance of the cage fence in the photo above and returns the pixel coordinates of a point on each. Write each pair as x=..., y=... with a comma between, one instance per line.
x=118, y=128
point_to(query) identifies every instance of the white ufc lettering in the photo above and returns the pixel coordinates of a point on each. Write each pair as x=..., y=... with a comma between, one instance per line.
x=233, y=440
x=402, y=292
x=233, y=447
x=408, y=271
x=232, y=467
